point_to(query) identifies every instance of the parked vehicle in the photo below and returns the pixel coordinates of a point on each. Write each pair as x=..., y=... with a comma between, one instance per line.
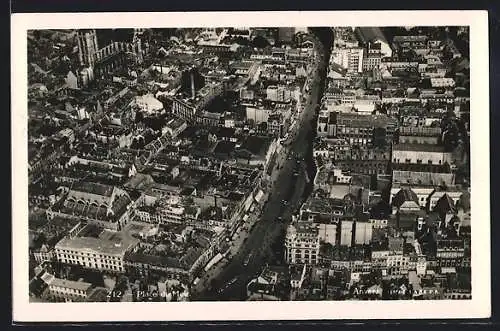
x=247, y=260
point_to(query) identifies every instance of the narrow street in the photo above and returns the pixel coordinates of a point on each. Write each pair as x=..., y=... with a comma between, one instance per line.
x=284, y=200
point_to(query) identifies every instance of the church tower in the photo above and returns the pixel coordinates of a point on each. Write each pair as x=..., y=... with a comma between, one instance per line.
x=87, y=47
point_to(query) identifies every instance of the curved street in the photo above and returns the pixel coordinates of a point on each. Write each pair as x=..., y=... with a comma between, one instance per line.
x=264, y=243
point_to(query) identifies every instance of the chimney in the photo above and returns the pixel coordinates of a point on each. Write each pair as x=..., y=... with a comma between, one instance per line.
x=193, y=91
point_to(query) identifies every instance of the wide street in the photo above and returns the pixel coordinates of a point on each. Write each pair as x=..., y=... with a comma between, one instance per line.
x=285, y=199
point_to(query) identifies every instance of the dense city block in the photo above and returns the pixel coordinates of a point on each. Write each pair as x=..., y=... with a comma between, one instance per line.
x=251, y=164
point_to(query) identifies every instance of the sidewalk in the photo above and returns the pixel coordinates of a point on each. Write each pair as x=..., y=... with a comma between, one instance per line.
x=244, y=229
x=240, y=235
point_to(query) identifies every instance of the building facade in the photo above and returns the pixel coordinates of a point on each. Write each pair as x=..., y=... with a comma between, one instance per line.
x=302, y=244
x=94, y=253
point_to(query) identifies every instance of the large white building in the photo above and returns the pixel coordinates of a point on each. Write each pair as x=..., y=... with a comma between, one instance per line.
x=362, y=233
x=257, y=114
x=104, y=253
x=280, y=93
x=67, y=290
x=327, y=233
x=349, y=58
x=302, y=243
x=420, y=154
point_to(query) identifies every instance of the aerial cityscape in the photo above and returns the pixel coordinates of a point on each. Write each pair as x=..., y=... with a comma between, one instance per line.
x=249, y=164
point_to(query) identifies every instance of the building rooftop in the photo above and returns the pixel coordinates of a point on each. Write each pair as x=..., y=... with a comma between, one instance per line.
x=109, y=242
x=412, y=167
x=83, y=286
x=98, y=294
x=93, y=188
x=405, y=194
x=399, y=39
x=396, y=244
x=420, y=131
x=445, y=204
x=225, y=147
x=422, y=178
x=192, y=254
x=428, y=148
x=324, y=206
x=358, y=120
x=257, y=145
x=155, y=260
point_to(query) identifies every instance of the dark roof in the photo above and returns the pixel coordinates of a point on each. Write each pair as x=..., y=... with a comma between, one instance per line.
x=419, y=148
x=235, y=196
x=332, y=118
x=191, y=256
x=98, y=294
x=37, y=286
x=93, y=188
x=405, y=194
x=256, y=145
x=445, y=205
x=188, y=190
x=163, y=261
x=224, y=132
x=224, y=147
x=431, y=219
x=434, y=168
x=425, y=178
x=464, y=201
x=120, y=205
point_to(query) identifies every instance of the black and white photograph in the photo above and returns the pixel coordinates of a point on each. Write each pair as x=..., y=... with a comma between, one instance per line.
x=291, y=165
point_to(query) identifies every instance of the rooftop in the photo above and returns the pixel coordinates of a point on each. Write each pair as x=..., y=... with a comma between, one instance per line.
x=324, y=206
x=420, y=131
x=109, y=242
x=405, y=194
x=428, y=148
x=83, y=286
x=257, y=145
x=93, y=188
x=422, y=177
x=445, y=204
x=411, y=167
x=163, y=261
x=358, y=120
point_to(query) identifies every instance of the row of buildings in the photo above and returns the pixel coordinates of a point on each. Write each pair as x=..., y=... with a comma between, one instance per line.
x=390, y=213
